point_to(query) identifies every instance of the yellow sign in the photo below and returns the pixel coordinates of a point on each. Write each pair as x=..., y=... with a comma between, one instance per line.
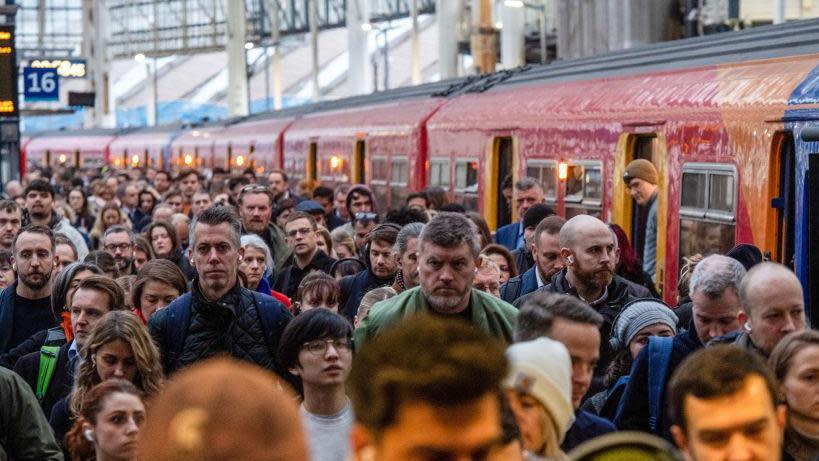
x=7, y=107
x=65, y=67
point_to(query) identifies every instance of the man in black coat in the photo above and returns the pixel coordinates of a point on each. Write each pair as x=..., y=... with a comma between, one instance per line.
x=588, y=250
x=381, y=268
x=300, y=231
x=714, y=291
x=219, y=316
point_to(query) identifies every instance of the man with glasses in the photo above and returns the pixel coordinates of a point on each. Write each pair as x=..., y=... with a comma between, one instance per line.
x=300, y=231
x=118, y=241
x=255, y=210
x=316, y=348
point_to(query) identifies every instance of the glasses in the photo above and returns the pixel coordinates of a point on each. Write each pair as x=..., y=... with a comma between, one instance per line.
x=303, y=231
x=366, y=216
x=115, y=247
x=252, y=188
x=319, y=346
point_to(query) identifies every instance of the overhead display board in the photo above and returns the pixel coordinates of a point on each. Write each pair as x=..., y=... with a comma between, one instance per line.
x=8, y=73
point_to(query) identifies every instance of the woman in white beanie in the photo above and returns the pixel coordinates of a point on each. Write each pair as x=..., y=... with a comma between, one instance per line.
x=639, y=320
x=539, y=390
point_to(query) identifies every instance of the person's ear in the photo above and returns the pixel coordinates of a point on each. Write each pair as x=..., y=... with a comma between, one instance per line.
x=478, y=263
x=241, y=253
x=55, y=261
x=295, y=371
x=566, y=256
x=781, y=418
x=13, y=264
x=397, y=260
x=679, y=438
x=743, y=320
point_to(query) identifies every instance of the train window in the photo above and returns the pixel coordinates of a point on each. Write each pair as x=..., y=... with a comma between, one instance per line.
x=707, y=211
x=546, y=174
x=399, y=181
x=439, y=173
x=584, y=189
x=379, y=170
x=466, y=176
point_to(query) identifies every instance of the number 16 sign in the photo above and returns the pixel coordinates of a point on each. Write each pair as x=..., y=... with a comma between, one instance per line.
x=41, y=84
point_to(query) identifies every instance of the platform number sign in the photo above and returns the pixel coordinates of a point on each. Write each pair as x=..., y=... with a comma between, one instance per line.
x=41, y=84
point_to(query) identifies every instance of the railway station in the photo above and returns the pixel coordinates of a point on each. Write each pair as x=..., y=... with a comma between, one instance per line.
x=421, y=230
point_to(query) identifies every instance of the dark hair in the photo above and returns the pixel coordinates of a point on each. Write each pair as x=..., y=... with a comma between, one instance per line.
x=171, y=234
x=453, y=208
x=323, y=192
x=109, y=287
x=5, y=258
x=437, y=197
x=713, y=372
x=61, y=239
x=296, y=215
x=158, y=270
x=405, y=215
x=482, y=226
x=187, y=172
x=284, y=205
x=495, y=249
x=103, y=260
x=538, y=313
x=629, y=263
x=551, y=225
x=281, y=172
x=449, y=230
x=423, y=359
x=359, y=189
x=35, y=229
x=387, y=232
x=62, y=282
x=347, y=266
x=92, y=403
x=9, y=206
x=214, y=216
x=167, y=174
x=324, y=285
x=309, y=326
x=236, y=181
x=118, y=229
x=421, y=195
x=39, y=185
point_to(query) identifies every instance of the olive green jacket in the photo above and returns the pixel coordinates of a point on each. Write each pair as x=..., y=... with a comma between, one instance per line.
x=490, y=314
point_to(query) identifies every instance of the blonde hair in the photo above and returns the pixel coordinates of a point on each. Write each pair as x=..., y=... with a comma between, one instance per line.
x=124, y=326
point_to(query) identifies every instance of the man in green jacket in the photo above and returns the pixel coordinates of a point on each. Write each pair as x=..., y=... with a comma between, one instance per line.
x=24, y=431
x=448, y=251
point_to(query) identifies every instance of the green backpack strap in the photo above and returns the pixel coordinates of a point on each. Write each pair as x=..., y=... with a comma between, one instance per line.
x=48, y=361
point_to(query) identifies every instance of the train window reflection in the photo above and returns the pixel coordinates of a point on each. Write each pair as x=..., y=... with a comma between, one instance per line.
x=400, y=179
x=708, y=215
x=379, y=169
x=546, y=175
x=466, y=176
x=584, y=189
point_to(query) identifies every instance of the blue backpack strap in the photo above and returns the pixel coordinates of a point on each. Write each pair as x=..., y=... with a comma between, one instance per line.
x=659, y=357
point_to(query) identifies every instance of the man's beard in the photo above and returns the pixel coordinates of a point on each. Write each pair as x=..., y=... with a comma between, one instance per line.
x=599, y=278
x=39, y=216
x=35, y=285
x=124, y=264
x=443, y=304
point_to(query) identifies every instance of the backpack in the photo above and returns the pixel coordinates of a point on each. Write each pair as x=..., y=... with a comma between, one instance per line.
x=659, y=358
x=55, y=337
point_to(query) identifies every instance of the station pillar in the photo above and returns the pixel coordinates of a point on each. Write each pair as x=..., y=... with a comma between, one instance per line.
x=358, y=26
x=449, y=15
x=512, y=37
x=237, y=59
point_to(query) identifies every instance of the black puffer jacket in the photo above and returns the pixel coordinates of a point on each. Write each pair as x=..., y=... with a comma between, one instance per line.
x=244, y=324
x=620, y=292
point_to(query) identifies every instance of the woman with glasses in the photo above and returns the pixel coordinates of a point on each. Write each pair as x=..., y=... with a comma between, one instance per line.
x=317, y=348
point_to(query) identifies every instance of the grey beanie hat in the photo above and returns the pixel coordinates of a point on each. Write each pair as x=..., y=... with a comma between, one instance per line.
x=637, y=315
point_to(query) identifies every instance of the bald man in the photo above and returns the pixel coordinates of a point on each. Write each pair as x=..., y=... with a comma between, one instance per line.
x=589, y=253
x=771, y=306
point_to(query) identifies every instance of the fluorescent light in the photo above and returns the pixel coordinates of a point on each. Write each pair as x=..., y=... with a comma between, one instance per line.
x=513, y=3
x=366, y=27
x=249, y=45
x=139, y=57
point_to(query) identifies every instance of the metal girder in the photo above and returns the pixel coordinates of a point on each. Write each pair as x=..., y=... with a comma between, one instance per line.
x=163, y=27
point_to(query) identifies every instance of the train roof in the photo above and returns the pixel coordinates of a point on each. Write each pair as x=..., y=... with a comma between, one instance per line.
x=759, y=43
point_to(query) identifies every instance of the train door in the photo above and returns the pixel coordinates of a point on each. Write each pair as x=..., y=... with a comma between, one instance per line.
x=501, y=162
x=359, y=172
x=47, y=158
x=811, y=272
x=783, y=162
x=643, y=148
x=76, y=159
x=312, y=162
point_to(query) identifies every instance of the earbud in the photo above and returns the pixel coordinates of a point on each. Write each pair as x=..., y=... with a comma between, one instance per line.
x=747, y=326
x=89, y=435
x=14, y=267
x=570, y=260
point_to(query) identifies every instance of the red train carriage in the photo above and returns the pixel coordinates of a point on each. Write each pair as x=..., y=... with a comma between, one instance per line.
x=714, y=131
x=255, y=143
x=383, y=145
x=81, y=149
x=194, y=148
x=149, y=147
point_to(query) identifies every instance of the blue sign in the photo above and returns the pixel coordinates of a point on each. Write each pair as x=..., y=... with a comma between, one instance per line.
x=41, y=84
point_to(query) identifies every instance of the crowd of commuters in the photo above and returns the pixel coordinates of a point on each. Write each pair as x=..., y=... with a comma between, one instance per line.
x=156, y=316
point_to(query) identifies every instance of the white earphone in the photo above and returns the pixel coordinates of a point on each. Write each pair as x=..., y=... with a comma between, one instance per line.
x=570, y=260
x=89, y=435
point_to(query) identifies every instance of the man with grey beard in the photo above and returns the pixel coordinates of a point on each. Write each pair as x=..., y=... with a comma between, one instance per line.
x=448, y=249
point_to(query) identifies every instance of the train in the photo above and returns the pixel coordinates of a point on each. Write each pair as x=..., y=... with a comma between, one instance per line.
x=730, y=120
